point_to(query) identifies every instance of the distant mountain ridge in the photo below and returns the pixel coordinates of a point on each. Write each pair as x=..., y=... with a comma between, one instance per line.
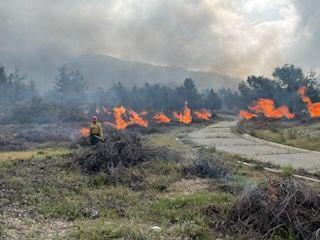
x=103, y=70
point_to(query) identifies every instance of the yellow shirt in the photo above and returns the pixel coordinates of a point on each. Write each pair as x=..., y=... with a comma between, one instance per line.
x=96, y=129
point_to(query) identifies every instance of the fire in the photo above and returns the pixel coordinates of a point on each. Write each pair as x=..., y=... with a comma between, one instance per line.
x=85, y=132
x=185, y=116
x=120, y=123
x=203, y=114
x=246, y=115
x=161, y=118
x=313, y=108
x=136, y=119
x=268, y=109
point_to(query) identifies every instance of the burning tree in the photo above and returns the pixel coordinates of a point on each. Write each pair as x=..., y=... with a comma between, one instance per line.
x=283, y=88
x=313, y=108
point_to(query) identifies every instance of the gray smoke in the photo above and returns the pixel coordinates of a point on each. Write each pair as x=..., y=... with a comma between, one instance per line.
x=308, y=34
x=234, y=37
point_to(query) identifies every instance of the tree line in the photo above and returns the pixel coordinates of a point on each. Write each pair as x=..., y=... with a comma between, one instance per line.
x=282, y=87
x=21, y=102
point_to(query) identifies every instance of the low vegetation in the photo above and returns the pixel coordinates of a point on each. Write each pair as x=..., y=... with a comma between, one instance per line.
x=294, y=134
x=286, y=209
x=181, y=193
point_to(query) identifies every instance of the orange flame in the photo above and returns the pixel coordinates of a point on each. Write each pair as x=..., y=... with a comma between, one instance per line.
x=185, y=116
x=85, y=132
x=161, y=118
x=313, y=108
x=136, y=119
x=268, y=109
x=120, y=123
x=203, y=114
x=246, y=115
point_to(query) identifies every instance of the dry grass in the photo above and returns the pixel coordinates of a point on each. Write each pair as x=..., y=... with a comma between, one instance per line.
x=31, y=154
x=287, y=208
x=295, y=134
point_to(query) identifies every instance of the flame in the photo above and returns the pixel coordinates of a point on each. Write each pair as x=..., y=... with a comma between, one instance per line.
x=120, y=123
x=136, y=119
x=313, y=108
x=203, y=114
x=85, y=132
x=161, y=118
x=246, y=115
x=268, y=109
x=185, y=116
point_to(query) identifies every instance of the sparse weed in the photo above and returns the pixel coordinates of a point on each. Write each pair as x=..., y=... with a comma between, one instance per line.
x=287, y=171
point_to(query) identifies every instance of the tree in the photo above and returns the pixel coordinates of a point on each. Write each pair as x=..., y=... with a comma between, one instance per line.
x=14, y=90
x=289, y=77
x=188, y=92
x=229, y=99
x=283, y=89
x=120, y=94
x=157, y=97
x=70, y=87
x=212, y=100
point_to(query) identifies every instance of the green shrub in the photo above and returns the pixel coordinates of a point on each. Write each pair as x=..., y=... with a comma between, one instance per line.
x=287, y=171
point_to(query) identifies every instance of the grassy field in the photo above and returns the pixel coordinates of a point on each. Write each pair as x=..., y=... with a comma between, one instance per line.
x=44, y=197
x=305, y=136
x=33, y=154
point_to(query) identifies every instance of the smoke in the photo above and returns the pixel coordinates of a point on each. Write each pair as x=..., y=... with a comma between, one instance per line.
x=234, y=37
x=308, y=36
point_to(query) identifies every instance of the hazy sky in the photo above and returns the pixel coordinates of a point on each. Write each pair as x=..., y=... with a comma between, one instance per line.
x=234, y=37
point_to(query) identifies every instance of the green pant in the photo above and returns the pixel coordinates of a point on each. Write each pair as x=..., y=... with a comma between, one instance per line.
x=94, y=139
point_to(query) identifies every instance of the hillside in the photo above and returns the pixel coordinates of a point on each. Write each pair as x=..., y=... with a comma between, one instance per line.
x=104, y=70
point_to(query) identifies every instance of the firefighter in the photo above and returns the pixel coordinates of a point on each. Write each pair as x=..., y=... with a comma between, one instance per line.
x=96, y=131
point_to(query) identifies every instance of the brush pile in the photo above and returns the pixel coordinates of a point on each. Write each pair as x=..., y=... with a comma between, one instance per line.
x=120, y=150
x=210, y=166
x=281, y=208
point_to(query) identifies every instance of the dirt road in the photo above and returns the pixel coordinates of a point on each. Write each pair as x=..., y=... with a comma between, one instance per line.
x=220, y=136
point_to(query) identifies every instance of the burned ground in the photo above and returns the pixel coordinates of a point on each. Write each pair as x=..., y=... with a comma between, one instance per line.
x=16, y=137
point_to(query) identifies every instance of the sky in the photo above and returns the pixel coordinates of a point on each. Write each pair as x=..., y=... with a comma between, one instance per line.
x=232, y=37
